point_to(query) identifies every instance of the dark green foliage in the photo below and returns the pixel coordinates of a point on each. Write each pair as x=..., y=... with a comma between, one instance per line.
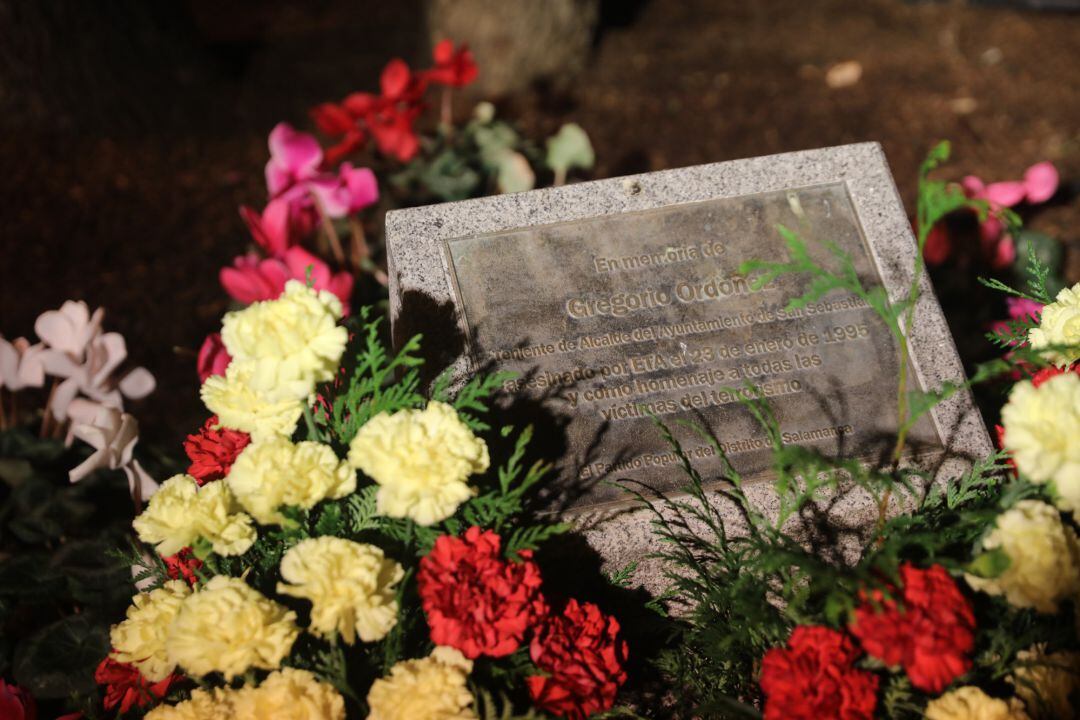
x=60, y=584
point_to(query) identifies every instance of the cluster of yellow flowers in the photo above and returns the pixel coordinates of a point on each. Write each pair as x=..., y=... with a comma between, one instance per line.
x=431, y=688
x=225, y=627
x=1045, y=682
x=421, y=460
x=274, y=472
x=140, y=639
x=287, y=694
x=1044, y=557
x=1041, y=427
x=181, y=512
x=280, y=349
x=1042, y=434
x=1059, y=324
x=351, y=587
x=971, y=703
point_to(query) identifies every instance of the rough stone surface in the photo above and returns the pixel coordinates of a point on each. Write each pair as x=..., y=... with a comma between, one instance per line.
x=422, y=294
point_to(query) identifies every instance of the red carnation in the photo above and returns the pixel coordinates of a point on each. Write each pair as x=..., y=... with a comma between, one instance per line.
x=455, y=68
x=930, y=636
x=126, y=687
x=813, y=677
x=183, y=565
x=213, y=450
x=583, y=657
x=474, y=599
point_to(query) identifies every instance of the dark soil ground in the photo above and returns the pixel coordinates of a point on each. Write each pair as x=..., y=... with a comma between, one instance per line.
x=132, y=131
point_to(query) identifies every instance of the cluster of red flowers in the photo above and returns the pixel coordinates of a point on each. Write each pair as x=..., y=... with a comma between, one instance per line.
x=927, y=627
x=125, y=686
x=814, y=677
x=183, y=565
x=482, y=604
x=475, y=600
x=583, y=658
x=388, y=117
x=212, y=450
x=930, y=635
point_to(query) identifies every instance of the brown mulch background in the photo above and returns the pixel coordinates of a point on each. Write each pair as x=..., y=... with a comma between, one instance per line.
x=132, y=130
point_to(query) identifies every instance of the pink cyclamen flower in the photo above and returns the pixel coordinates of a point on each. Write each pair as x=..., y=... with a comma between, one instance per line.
x=293, y=175
x=273, y=228
x=87, y=359
x=1039, y=185
x=70, y=328
x=251, y=279
x=94, y=377
x=21, y=365
x=1019, y=309
x=213, y=357
x=113, y=435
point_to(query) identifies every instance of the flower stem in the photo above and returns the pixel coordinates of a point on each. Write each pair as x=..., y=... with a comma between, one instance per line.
x=312, y=429
x=331, y=233
x=446, y=115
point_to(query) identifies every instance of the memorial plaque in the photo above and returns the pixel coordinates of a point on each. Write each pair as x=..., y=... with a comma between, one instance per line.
x=621, y=299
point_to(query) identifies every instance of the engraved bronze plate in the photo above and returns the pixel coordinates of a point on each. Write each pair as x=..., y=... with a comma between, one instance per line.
x=616, y=317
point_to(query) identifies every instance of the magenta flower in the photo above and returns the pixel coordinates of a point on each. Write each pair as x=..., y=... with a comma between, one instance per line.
x=293, y=175
x=279, y=226
x=362, y=189
x=251, y=279
x=213, y=357
x=1019, y=309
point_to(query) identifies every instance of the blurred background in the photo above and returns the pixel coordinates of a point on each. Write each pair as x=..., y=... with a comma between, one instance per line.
x=133, y=130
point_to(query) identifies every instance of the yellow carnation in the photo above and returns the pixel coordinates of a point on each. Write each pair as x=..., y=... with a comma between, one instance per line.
x=203, y=705
x=228, y=627
x=1042, y=425
x=421, y=460
x=971, y=703
x=1045, y=682
x=288, y=344
x=288, y=695
x=239, y=407
x=180, y=512
x=350, y=586
x=1059, y=324
x=1044, y=557
x=432, y=688
x=274, y=472
x=140, y=639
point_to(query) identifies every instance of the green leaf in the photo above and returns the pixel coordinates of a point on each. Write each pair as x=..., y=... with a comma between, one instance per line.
x=514, y=174
x=59, y=660
x=94, y=576
x=14, y=471
x=29, y=577
x=990, y=564
x=570, y=148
